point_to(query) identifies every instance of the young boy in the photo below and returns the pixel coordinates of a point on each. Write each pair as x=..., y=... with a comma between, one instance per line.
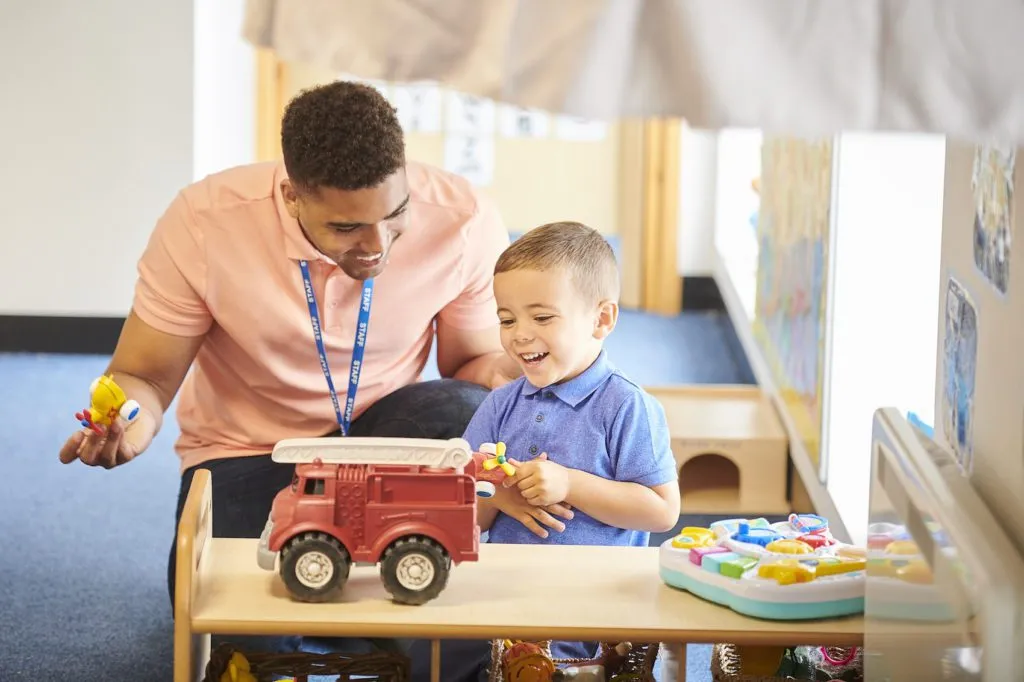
x=591, y=448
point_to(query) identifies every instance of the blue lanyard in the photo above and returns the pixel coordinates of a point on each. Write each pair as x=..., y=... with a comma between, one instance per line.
x=344, y=421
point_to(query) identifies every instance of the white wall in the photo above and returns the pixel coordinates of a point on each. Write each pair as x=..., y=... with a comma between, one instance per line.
x=225, y=88
x=735, y=238
x=106, y=115
x=98, y=127
x=888, y=237
x=697, y=175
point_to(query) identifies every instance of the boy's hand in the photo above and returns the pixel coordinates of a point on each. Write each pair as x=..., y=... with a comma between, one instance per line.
x=540, y=481
x=511, y=503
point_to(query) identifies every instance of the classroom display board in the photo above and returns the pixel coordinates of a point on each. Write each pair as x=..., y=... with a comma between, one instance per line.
x=979, y=388
x=538, y=167
x=792, y=276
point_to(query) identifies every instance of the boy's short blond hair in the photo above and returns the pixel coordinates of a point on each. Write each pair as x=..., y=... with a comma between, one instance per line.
x=581, y=249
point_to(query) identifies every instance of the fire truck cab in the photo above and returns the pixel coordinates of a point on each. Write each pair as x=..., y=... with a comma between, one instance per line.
x=408, y=504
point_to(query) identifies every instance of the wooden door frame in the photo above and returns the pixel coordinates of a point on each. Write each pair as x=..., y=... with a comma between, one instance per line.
x=649, y=157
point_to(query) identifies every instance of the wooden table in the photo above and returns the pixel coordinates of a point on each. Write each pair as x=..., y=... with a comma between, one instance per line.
x=578, y=593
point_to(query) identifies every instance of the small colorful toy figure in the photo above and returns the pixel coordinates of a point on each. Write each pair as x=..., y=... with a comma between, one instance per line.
x=107, y=402
x=498, y=459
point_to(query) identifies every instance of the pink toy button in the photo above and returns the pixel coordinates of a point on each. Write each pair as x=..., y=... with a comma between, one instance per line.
x=697, y=554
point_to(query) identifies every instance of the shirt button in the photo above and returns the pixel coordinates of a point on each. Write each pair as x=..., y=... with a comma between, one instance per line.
x=533, y=449
x=539, y=417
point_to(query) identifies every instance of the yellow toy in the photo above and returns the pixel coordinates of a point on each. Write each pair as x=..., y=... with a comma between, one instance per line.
x=498, y=459
x=106, y=402
x=238, y=670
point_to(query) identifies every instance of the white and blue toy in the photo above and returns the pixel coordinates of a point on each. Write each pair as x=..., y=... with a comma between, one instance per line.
x=793, y=570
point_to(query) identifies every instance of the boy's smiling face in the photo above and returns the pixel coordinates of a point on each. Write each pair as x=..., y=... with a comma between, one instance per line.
x=547, y=326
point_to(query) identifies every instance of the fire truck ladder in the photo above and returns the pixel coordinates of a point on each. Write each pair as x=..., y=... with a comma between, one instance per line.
x=453, y=453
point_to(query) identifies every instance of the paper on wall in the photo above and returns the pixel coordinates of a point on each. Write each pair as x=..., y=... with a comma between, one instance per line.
x=419, y=106
x=518, y=122
x=470, y=115
x=471, y=156
x=580, y=129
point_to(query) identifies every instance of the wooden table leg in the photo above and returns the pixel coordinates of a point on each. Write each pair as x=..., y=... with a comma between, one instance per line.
x=435, y=660
x=680, y=658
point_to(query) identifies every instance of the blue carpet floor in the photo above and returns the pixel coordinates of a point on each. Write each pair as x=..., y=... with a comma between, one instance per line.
x=83, y=595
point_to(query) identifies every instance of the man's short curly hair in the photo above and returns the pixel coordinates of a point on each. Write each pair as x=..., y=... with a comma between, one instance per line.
x=343, y=135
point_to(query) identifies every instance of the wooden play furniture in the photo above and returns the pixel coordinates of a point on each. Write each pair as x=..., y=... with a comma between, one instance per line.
x=580, y=593
x=730, y=447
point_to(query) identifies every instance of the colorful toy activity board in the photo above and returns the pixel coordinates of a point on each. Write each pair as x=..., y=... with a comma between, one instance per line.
x=900, y=580
x=792, y=570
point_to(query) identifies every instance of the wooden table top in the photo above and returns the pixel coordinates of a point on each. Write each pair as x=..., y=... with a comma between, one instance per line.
x=514, y=591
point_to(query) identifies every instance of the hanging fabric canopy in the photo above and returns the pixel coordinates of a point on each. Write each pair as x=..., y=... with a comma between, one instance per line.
x=797, y=67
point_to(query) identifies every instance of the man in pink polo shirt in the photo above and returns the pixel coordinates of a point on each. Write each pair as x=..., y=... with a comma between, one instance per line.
x=287, y=287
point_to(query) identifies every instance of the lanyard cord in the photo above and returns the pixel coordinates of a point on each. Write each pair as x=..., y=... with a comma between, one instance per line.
x=362, y=325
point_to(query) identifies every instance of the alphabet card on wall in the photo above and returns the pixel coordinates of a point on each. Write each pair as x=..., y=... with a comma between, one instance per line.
x=578, y=129
x=470, y=115
x=471, y=156
x=419, y=106
x=519, y=123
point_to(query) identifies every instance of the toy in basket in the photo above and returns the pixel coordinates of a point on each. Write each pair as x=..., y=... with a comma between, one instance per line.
x=790, y=570
x=521, y=661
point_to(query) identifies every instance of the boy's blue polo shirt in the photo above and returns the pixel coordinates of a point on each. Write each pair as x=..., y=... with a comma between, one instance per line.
x=599, y=422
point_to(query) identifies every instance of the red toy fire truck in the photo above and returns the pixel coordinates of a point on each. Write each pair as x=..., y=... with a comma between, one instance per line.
x=408, y=504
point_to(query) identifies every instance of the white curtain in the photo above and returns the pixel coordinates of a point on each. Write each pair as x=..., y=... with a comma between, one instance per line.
x=800, y=67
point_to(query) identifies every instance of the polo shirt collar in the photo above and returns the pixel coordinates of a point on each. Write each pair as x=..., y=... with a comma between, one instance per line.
x=296, y=246
x=579, y=388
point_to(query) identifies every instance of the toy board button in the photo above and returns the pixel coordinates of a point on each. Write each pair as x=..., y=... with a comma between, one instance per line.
x=755, y=536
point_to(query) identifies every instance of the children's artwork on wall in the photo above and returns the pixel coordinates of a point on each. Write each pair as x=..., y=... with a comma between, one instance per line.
x=470, y=115
x=793, y=237
x=576, y=129
x=419, y=107
x=516, y=122
x=992, y=186
x=471, y=156
x=959, y=360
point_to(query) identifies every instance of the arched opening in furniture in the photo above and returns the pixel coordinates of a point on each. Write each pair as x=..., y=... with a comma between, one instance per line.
x=709, y=483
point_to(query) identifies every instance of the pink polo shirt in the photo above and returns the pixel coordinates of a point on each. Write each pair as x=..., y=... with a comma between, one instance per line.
x=223, y=261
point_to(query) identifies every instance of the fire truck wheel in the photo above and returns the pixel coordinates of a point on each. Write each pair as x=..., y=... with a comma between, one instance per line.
x=314, y=566
x=415, y=570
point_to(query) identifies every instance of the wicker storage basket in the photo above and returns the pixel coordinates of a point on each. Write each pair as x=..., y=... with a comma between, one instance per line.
x=638, y=666
x=386, y=666
x=819, y=664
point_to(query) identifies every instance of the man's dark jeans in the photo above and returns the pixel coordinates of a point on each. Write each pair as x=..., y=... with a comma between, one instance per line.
x=244, y=487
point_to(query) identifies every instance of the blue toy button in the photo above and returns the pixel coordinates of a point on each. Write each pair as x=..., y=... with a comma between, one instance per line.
x=755, y=536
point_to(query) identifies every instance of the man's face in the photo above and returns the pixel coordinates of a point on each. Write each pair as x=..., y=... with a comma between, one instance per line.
x=354, y=228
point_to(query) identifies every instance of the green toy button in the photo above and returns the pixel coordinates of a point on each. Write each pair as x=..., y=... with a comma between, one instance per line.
x=735, y=568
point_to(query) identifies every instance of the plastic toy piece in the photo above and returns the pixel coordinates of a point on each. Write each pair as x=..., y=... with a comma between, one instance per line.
x=770, y=570
x=498, y=460
x=107, y=402
x=408, y=504
x=690, y=537
x=238, y=669
x=526, y=662
x=808, y=523
x=755, y=536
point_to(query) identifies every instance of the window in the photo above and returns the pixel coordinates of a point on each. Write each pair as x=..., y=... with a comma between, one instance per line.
x=314, y=486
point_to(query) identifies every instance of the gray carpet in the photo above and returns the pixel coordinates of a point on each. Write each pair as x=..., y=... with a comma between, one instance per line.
x=83, y=595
